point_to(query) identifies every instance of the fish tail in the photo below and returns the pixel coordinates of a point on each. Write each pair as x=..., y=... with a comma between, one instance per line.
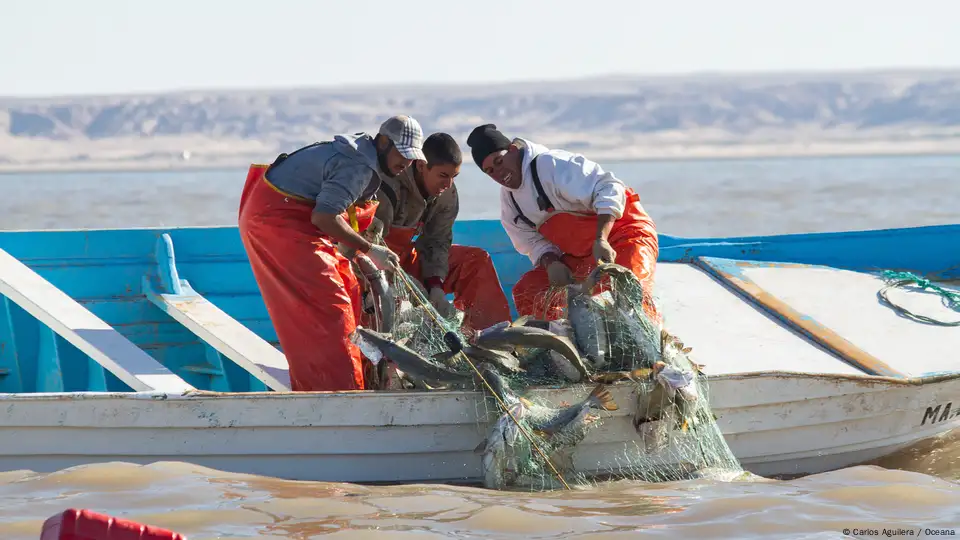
x=601, y=398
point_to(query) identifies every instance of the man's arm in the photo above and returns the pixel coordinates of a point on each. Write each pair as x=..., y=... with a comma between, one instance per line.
x=385, y=212
x=344, y=182
x=334, y=226
x=604, y=225
x=585, y=186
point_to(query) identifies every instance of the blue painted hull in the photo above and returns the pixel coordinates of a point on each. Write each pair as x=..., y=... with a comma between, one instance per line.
x=104, y=271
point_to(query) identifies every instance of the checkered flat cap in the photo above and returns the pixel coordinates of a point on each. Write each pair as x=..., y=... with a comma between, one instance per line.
x=406, y=134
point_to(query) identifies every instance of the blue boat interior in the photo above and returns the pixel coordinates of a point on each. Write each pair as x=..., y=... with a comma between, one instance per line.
x=110, y=276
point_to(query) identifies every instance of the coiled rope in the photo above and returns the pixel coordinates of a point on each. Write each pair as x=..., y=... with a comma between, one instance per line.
x=950, y=298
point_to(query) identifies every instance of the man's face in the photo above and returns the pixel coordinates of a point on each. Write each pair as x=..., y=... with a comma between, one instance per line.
x=504, y=167
x=391, y=160
x=437, y=178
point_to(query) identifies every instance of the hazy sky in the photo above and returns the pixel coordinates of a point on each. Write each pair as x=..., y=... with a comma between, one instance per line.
x=50, y=47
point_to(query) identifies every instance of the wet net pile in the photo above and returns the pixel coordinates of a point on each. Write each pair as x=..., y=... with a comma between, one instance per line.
x=618, y=397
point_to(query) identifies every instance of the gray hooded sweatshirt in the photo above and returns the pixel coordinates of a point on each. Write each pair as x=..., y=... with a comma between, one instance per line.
x=334, y=174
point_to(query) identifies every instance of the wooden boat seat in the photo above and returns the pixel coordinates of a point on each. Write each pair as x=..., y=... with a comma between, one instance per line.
x=65, y=317
x=219, y=330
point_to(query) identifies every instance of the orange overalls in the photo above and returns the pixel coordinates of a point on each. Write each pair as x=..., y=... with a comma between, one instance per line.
x=633, y=237
x=471, y=278
x=308, y=287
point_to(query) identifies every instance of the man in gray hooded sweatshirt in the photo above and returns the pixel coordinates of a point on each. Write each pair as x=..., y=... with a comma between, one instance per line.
x=293, y=215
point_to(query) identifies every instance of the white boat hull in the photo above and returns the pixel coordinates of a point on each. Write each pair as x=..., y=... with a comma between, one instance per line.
x=775, y=423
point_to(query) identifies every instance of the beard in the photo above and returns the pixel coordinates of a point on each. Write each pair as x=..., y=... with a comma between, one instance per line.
x=382, y=162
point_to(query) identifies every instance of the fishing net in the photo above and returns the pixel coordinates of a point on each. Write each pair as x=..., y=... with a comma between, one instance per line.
x=627, y=404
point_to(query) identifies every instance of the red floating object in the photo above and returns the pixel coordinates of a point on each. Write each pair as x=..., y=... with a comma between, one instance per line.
x=76, y=524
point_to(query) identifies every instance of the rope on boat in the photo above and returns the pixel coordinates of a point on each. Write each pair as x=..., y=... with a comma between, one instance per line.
x=951, y=299
x=462, y=355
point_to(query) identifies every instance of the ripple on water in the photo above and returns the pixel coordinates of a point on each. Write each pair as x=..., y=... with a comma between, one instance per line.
x=205, y=504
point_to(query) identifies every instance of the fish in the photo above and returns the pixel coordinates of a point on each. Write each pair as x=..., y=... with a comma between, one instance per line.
x=670, y=371
x=652, y=406
x=610, y=377
x=679, y=384
x=589, y=332
x=498, y=386
x=385, y=301
x=494, y=448
x=549, y=420
x=681, y=390
x=627, y=290
x=642, y=338
x=612, y=335
x=510, y=337
x=526, y=320
x=504, y=361
x=375, y=346
x=613, y=270
x=558, y=362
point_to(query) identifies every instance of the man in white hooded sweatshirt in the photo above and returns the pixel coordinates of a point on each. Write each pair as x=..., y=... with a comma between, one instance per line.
x=566, y=214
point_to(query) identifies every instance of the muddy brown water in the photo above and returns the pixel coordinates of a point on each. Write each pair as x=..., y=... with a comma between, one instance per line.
x=914, y=489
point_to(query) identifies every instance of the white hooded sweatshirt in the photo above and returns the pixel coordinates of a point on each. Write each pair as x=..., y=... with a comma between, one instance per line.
x=573, y=183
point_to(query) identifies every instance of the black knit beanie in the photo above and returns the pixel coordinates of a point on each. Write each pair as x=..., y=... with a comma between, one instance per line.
x=485, y=140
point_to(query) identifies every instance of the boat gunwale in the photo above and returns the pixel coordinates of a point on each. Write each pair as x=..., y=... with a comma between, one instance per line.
x=194, y=395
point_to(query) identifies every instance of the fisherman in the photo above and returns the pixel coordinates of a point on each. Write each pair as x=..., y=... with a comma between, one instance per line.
x=293, y=215
x=417, y=210
x=566, y=214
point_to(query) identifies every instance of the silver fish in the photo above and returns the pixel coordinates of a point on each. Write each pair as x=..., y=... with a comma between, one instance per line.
x=499, y=386
x=589, y=332
x=503, y=360
x=549, y=420
x=510, y=337
x=558, y=362
x=627, y=288
x=552, y=421
x=385, y=302
x=614, y=270
x=653, y=406
x=374, y=344
x=499, y=441
x=642, y=334
x=526, y=320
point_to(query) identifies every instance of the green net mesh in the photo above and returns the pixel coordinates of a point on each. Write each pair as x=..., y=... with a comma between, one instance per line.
x=598, y=393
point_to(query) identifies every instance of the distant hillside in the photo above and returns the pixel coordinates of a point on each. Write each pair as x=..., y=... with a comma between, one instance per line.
x=617, y=117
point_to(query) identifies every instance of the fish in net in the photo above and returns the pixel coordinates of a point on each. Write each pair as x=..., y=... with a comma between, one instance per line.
x=602, y=393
